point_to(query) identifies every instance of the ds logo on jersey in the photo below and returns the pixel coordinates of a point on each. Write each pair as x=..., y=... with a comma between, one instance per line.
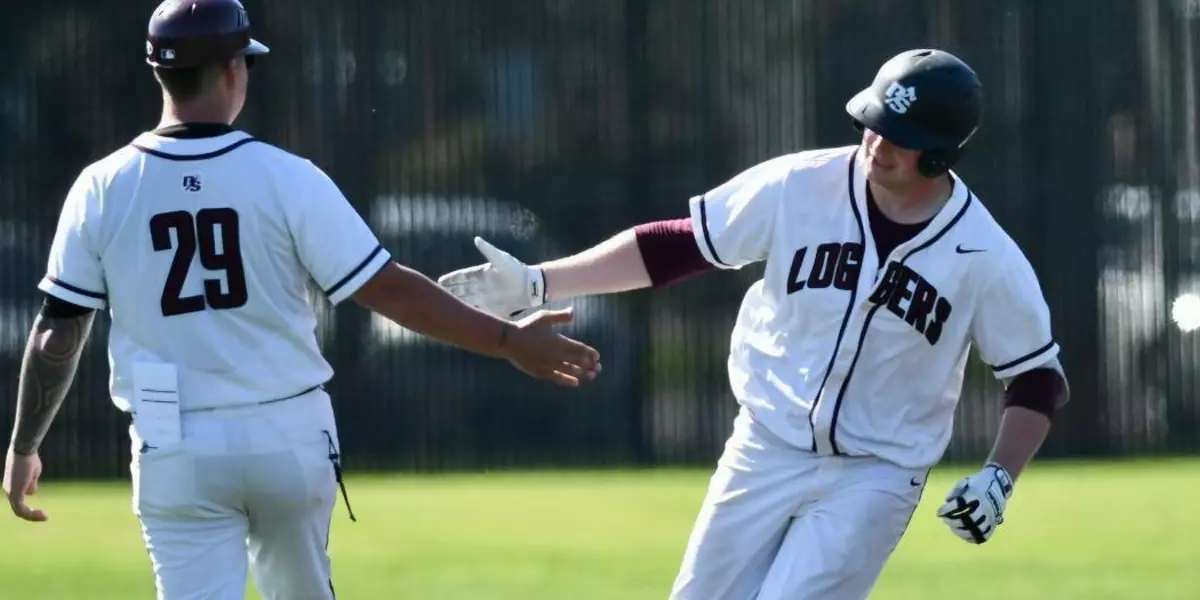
x=904, y=292
x=191, y=183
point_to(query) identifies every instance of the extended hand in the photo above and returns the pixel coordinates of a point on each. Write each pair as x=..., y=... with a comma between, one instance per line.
x=503, y=286
x=21, y=473
x=535, y=348
x=975, y=507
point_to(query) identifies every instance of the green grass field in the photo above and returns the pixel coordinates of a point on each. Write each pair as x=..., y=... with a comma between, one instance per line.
x=1125, y=531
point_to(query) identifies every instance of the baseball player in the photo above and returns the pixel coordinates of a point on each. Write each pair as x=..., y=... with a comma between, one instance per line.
x=200, y=241
x=882, y=270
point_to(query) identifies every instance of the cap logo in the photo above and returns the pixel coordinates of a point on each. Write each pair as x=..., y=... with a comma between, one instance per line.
x=898, y=98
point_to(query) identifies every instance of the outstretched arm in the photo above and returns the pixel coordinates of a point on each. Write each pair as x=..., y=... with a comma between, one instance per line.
x=650, y=255
x=727, y=227
x=410, y=299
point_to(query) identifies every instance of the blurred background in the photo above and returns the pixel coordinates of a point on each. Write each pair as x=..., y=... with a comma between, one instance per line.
x=546, y=126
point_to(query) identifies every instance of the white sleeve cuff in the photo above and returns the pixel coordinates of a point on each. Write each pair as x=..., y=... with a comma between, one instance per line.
x=73, y=294
x=1027, y=362
x=344, y=288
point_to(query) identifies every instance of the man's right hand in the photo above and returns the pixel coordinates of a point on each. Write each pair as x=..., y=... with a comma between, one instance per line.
x=504, y=286
x=534, y=347
x=21, y=474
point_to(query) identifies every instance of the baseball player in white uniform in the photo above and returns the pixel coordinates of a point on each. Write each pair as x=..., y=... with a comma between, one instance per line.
x=201, y=241
x=882, y=270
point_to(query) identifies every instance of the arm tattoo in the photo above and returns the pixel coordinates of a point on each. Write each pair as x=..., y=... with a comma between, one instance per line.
x=51, y=358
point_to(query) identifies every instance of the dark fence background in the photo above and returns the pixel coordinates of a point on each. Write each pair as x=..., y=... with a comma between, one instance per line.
x=548, y=126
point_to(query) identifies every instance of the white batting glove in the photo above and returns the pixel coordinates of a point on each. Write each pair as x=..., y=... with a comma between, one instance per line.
x=975, y=507
x=503, y=286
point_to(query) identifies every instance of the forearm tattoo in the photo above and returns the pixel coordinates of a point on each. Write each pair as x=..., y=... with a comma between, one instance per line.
x=51, y=358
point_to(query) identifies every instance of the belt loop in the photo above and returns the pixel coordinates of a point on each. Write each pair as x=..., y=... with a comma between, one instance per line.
x=336, y=459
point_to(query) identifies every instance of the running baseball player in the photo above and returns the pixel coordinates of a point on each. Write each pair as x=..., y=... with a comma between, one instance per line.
x=882, y=270
x=200, y=241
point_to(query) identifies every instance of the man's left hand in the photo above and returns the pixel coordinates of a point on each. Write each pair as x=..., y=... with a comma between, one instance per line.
x=974, y=508
x=21, y=474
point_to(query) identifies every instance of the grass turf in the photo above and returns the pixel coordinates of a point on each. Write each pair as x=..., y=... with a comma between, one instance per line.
x=1102, y=531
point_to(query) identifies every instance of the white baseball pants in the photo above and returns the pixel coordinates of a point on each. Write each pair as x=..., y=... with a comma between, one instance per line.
x=780, y=522
x=247, y=488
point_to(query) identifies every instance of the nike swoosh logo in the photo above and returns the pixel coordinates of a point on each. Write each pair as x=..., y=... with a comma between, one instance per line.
x=959, y=249
x=913, y=482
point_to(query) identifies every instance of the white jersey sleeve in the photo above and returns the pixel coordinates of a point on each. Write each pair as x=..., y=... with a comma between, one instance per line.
x=74, y=272
x=1011, y=327
x=733, y=222
x=334, y=243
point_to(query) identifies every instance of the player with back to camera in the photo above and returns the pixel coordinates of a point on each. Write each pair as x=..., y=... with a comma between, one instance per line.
x=848, y=356
x=200, y=241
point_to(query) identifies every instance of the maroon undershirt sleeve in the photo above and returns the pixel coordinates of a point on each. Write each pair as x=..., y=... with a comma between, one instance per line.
x=669, y=251
x=1037, y=389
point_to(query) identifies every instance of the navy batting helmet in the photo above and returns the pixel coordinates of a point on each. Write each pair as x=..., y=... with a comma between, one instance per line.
x=926, y=100
x=194, y=33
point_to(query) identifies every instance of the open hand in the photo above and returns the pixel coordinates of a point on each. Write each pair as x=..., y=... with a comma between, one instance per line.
x=504, y=286
x=534, y=347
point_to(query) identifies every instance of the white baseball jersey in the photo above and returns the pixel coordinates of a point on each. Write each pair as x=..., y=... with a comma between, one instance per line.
x=833, y=350
x=201, y=248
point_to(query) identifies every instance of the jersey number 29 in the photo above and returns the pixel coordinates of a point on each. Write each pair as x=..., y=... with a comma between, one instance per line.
x=201, y=232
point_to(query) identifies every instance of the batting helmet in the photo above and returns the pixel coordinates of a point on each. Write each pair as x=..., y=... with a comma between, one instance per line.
x=926, y=100
x=194, y=33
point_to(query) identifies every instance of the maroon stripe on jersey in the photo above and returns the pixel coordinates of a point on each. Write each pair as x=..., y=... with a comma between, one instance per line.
x=669, y=251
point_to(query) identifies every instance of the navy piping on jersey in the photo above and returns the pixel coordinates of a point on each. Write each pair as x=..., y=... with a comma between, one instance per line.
x=78, y=290
x=195, y=130
x=362, y=265
x=862, y=235
x=862, y=336
x=190, y=157
x=708, y=238
x=1031, y=355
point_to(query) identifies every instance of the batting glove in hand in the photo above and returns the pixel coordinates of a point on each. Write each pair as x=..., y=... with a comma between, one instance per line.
x=975, y=507
x=503, y=286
